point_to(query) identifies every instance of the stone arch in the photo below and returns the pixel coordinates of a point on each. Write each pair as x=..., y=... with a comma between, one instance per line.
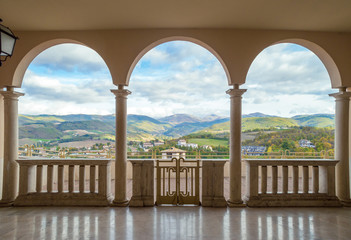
x=321, y=53
x=177, y=38
x=34, y=52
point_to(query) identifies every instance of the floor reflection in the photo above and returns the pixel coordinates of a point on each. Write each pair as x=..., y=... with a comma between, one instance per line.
x=175, y=223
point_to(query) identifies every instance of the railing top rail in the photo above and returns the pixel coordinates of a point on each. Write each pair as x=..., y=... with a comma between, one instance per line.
x=169, y=160
x=63, y=161
x=292, y=162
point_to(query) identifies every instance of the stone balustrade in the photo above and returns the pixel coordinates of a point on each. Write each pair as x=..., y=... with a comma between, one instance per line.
x=87, y=182
x=36, y=189
x=287, y=182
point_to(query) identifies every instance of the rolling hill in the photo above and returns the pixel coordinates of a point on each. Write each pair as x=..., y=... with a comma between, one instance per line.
x=144, y=128
x=317, y=120
x=252, y=123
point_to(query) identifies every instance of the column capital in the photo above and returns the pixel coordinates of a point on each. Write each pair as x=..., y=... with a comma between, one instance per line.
x=121, y=92
x=11, y=94
x=342, y=95
x=235, y=92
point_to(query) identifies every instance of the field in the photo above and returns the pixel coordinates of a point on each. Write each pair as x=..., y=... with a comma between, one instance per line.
x=211, y=142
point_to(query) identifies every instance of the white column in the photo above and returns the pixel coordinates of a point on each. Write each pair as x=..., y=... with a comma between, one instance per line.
x=235, y=146
x=10, y=167
x=342, y=103
x=121, y=147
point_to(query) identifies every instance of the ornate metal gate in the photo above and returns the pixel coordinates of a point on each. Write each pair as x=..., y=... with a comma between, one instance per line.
x=178, y=181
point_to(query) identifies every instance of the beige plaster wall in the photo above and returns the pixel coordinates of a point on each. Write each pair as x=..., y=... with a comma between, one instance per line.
x=236, y=49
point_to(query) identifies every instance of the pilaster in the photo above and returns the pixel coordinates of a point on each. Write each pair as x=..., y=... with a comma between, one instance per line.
x=10, y=166
x=342, y=111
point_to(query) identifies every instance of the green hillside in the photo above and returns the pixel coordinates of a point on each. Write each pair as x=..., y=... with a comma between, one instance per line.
x=317, y=120
x=40, y=131
x=145, y=130
x=252, y=123
x=26, y=119
x=210, y=142
x=93, y=125
x=322, y=138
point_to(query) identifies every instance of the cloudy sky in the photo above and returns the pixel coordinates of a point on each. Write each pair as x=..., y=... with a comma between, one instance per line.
x=176, y=77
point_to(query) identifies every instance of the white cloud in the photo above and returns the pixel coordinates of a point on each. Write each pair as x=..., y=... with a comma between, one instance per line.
x=185, y=83
x=285, y=82
x=70, y=58
x=69, y=90
x=57, y=95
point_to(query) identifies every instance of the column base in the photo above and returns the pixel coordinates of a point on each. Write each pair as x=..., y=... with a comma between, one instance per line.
x=346, y=203
x=123, y=203
x=293, y=200
x=63, y=199
x=238, y=204
x=6, y=203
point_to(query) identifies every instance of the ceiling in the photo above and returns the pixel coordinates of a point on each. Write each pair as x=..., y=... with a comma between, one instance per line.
x=315, y=15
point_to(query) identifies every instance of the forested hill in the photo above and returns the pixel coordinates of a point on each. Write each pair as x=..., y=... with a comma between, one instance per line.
x=322, y=138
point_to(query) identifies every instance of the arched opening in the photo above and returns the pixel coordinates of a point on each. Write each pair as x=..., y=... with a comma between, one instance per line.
x=73, y=77
x=178, y=94
x=67, y=111
x=287, y=108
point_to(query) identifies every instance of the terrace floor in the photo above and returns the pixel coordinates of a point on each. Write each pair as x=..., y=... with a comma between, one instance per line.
x=174, y=223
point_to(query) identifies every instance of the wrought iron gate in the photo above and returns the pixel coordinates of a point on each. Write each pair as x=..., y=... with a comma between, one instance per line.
x=178, y=181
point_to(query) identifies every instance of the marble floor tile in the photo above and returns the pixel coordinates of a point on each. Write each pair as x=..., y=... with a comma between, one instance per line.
x=174, y=223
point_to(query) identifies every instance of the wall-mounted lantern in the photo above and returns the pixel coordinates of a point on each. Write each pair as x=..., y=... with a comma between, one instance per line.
x=7, y=42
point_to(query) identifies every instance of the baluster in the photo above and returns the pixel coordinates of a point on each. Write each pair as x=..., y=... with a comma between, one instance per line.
x=60, y=179
x=186, y=180
x=295, y=179
x=164, y=180
x=71, y=179
x=39, y=178
x=158, y=185
x=192, y=181
x=264, y=179
x=92, y=178
x=101, y=182
x=274, y=179
x=81, y=178
x=285, y=179
x=315, y=178
x=197, y=182
x=50, y=178
x=305, y=179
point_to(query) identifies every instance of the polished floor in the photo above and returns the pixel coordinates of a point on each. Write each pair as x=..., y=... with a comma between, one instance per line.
x=174, y=223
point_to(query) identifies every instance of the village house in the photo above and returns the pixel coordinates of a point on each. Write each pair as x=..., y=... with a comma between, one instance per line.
x=183, y=143
x=173, y=153
x=306, y=143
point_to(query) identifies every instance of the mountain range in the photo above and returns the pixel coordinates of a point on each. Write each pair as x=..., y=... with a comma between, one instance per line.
x=140, y=127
